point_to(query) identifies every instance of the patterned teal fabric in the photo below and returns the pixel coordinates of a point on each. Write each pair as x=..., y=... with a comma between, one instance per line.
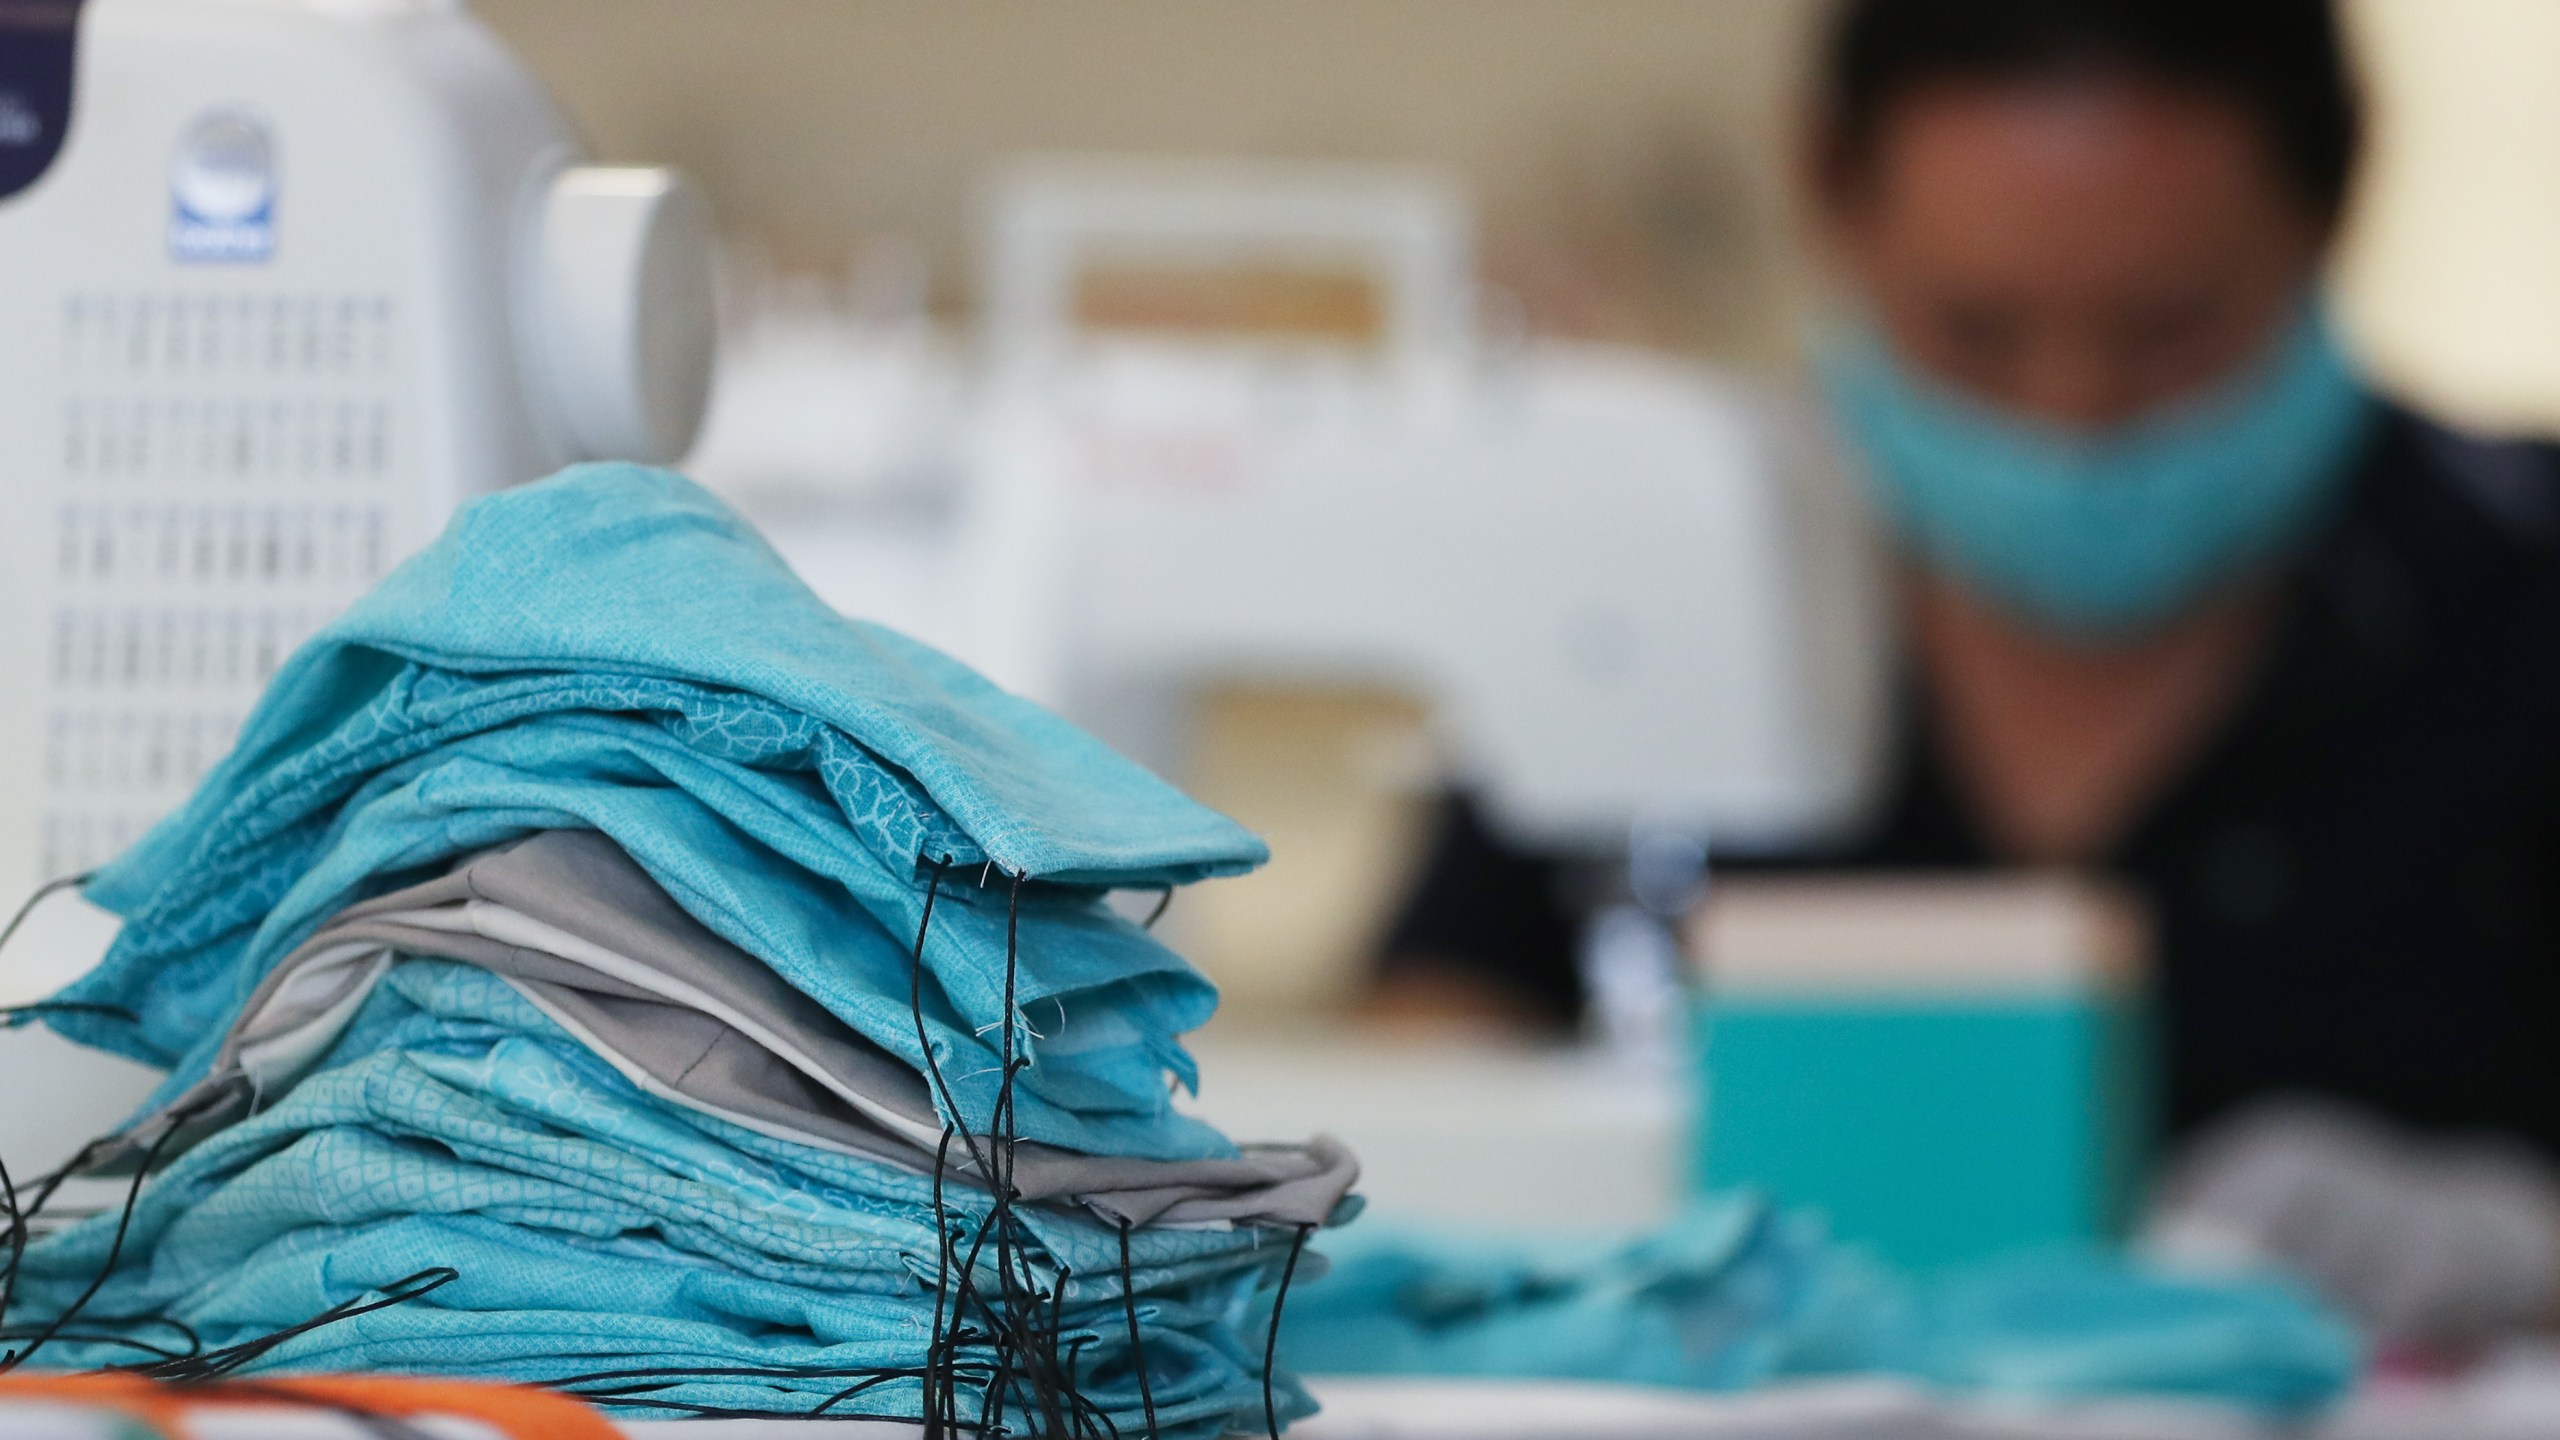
x=613, y=650
x=623, y=571
x=596, y=1228
x=784, y=772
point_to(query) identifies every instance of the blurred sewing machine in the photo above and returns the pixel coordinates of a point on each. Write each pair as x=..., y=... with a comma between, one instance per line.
x=287, y=281
x=1234, y=429
x=1234, y=423
x=1240, y=481
x=1240, y=478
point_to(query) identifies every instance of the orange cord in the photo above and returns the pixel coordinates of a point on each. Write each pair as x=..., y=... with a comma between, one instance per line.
x=512, y=1410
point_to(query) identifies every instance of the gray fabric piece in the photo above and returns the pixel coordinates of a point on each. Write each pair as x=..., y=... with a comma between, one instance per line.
x=583, y=932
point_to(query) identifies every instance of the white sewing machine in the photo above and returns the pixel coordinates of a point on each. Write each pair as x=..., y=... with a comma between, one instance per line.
x=1595, y=564
x=291, y=281
x=1232, y=422
x=285, y=281
x=1231, y=425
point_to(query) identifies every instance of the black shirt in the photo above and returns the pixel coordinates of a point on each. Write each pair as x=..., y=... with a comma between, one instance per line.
x=2356, y=885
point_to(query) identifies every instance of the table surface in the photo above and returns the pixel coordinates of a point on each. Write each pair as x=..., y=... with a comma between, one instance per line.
x=2517, y=1398
x=2514, y=1398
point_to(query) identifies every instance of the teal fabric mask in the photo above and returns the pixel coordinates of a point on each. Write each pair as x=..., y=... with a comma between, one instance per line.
x=1734, y=1293
x=2101, y=535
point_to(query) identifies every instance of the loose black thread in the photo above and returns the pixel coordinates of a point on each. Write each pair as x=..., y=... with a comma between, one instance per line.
x=215, y=1364
x=67, y=1007
x=189, y=1363
x=1164, y=902
x=940, y=1383
x=1012, y=1278
x=115, y=1248
x=18, y=1220
x=1028, y=1368
x=22, y=1217
x=1137, y=1347
x=42, y=893
x=631, y=1385
x=932, y=1403
x=958, y=1283
x=1271, y=1343
x=1027, y=1371
x=948, y=1367
x=21, y=1221
x=193, y=1362
x=16, y=1242
x=1016, y=1346
x=1022, y=1366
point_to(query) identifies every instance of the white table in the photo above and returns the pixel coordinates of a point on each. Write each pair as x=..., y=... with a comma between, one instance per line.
x=2514, y=1398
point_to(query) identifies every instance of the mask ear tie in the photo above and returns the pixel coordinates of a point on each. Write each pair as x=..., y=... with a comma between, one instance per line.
x=42, y=893
x=1137, y=1347
x=115, y=1249
x=1271, y=1342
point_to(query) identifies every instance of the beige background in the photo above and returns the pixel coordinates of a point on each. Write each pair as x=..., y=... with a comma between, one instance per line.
x=1628, y=153
x=2453, y=277
x=1624, y=150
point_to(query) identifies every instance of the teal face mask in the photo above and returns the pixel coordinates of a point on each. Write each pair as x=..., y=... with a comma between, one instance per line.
x=2101, y=535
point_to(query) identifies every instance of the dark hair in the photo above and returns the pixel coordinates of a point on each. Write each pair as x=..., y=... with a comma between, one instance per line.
x=2279, y=58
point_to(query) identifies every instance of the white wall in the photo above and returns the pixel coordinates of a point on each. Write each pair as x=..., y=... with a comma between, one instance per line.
x=2451, y=277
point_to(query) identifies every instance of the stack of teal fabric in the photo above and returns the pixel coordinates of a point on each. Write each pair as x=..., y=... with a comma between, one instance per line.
x=663, y=987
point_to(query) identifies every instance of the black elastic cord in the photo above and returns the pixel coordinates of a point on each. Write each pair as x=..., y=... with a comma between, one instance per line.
x=1013, y=1345
x=924, y=1042
x=848, y=1392
x=943, y=1357
x=216, y=1364
x=16, y=1242
x=941, y=1286
x=1013, y=1330
x=115, y=1249
x=1012, y=1278
x=67, y=1007
x=17, y=1219
x=22, y=1219
x=1271, y=1343
x=49, y=888
x=1137, y=1347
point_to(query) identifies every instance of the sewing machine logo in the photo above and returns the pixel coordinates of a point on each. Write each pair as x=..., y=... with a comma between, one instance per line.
x=222, y=191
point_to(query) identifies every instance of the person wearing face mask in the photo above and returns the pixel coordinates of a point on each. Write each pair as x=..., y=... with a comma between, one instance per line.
x=2187, y=601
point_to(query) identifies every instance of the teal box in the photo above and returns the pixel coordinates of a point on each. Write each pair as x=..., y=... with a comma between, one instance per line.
x=1940, y=1100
